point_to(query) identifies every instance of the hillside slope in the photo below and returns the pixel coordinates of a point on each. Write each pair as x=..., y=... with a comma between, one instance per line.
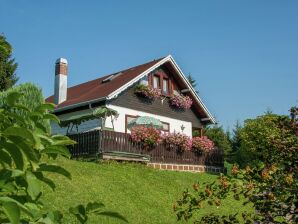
x=140, y=194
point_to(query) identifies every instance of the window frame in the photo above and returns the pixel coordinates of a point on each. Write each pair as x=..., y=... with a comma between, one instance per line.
x=168, y=86
x=164, y=130
x=155, y=76
x=126, y=120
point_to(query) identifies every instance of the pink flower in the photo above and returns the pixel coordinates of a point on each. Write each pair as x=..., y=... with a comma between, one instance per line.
x=148, y=136
x=184, y=102
x=202, y=144
x=182, y=141
x=147, y=91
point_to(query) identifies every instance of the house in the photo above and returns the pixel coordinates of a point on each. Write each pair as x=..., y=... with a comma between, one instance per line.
x=117, y=91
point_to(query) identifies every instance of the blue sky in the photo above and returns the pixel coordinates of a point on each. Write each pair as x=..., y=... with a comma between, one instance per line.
x=243, y=54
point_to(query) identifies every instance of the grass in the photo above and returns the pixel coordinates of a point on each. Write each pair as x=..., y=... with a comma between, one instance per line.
x=140, y=194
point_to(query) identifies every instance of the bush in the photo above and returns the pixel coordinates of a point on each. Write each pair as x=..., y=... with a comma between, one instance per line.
x=27, y=152
x=269, y=185
x=31, y=95
x=257, y=135
x=219, y=137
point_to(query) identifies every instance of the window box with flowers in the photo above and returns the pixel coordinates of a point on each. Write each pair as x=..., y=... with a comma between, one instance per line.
x=149, y=137
x=147, y=92
x=202, y=144
x=179, y=140
x=180, y=101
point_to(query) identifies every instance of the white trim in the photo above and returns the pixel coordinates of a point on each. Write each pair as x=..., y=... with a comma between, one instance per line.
x=79, y=104
x=169, y=58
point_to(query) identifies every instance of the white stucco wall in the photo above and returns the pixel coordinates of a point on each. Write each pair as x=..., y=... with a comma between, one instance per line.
x=119, y=122
x=175, y=125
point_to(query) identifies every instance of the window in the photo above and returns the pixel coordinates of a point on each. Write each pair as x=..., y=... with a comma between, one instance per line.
x=128, y=118
x=165, y=86
x=156, y=82
x=165, y=127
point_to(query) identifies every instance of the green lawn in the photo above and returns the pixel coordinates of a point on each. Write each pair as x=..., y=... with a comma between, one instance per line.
x=140, y=194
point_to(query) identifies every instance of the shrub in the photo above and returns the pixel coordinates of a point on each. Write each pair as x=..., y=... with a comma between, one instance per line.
x=182, y=141
x=148, y=136
x=202, y=144
x=269, y=186
x=27, y=151
x=147, y=91
x=219, y=137
x=180, y=101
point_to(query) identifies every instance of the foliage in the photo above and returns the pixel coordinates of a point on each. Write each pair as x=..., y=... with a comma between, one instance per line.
x=219, y=137
x=270, y=186
x=236, y=140
x=8, y=65
x=180, y=101
x=147, y=91
x=103, y=113
x=31, y=95
x=202, y=144
x=257, y=135
x=83, y=213
x=147, y=136
x=25, y=142
x=180, y=140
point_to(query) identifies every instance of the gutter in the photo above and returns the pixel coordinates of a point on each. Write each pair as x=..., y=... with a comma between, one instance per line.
x=89, y=102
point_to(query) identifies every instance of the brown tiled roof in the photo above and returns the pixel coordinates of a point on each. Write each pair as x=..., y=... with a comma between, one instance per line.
x=96, y=89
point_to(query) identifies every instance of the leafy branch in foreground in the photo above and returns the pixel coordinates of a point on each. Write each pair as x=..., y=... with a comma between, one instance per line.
x=270, y=186
x=25, y=142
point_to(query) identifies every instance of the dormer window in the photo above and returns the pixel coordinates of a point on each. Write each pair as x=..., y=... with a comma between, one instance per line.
x=156, y=82
x=165, y=86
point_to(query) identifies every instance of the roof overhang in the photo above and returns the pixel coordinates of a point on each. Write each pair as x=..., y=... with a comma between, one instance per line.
x=171, y=60
x=85, y=103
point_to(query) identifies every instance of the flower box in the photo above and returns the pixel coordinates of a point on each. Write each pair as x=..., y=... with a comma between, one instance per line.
x=180, y=101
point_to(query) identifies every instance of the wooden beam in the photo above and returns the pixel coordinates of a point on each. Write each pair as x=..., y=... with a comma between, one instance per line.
x=185, y=90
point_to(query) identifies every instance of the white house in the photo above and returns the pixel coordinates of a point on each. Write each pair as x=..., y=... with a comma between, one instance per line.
x=117, y=91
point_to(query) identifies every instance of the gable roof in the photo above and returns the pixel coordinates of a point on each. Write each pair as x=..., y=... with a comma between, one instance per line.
x=110, y=86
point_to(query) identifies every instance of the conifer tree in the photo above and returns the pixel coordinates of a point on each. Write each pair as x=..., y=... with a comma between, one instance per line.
x=8, y=65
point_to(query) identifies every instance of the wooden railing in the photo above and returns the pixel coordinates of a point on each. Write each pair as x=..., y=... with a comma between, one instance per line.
x=87, y=143
x=106, y=141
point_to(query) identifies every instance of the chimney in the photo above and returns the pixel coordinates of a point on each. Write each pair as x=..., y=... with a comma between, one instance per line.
x=60, y=93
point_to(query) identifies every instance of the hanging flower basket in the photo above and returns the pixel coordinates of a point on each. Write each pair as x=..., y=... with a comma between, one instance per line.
x=148, y=92
x=202, y=144
x=183, y=102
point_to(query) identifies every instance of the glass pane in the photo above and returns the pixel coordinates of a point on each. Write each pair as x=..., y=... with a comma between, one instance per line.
x=165, y=126
x=156, y=82
x=165, y=86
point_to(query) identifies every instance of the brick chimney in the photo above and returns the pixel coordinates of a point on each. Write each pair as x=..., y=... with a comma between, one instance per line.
x=60, y=93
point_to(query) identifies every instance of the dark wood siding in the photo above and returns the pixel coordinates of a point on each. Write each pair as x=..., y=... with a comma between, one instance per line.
x=129, y=99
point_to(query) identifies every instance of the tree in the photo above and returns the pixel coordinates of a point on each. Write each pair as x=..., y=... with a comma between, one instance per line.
x=236, y=140
x=8, y=65
x=192, y=81
x=219, y=137
x=270, y=186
